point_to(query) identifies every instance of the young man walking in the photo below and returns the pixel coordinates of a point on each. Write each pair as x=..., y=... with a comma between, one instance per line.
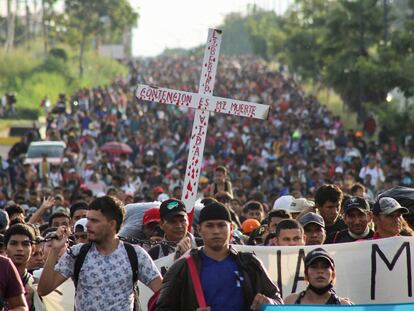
x=105, y=280
x=230, y=280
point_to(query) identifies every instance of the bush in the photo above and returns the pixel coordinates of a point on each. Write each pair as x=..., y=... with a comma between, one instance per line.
x=38, y=86
x=54, y=64
x=98, y=71
x=32, y=76
x=59, y=53
x=26, y=113
x=14, y=68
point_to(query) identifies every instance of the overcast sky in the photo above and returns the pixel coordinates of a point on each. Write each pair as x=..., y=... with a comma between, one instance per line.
x=185, y=23
x=179, y=23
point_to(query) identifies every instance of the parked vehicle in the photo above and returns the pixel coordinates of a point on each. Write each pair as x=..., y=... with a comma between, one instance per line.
x=53, y=150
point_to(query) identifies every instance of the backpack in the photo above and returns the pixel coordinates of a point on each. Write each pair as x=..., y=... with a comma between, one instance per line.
x=133, y=260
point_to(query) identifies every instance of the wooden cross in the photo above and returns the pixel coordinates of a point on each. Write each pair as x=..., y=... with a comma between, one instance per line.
x=203, y=102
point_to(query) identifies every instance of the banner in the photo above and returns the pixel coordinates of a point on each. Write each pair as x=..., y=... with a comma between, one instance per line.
x=367, y=272
x=388, y=307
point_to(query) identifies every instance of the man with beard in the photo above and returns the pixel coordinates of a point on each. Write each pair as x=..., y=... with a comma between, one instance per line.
x=174, y=223
x=106, y=279
x=357, y=217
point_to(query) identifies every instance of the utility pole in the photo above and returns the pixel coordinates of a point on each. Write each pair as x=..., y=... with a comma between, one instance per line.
x=28, y=25
x=11, y=21
x=44, y=28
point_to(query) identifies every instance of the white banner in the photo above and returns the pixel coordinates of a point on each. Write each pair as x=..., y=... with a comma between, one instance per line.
x=367, y=272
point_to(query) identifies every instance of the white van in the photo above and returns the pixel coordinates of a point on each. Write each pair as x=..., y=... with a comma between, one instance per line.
x=52, y=149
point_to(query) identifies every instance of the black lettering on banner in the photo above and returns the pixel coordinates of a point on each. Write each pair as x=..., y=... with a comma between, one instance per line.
x=279, y=271
x=390, y=265
x=301, y=257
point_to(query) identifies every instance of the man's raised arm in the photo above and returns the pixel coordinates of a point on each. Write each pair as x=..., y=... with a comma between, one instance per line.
x=50, y=279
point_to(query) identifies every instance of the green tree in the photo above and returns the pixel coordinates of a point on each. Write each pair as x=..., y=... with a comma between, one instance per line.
x=86, y=20
x=236, y=40
x=266, y=32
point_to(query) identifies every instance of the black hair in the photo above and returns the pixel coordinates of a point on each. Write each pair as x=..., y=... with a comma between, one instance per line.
x=288, y=224
x=111, y=207
x=14, y=209
x=15, y=221
x=87, y=192
x=281, y=213
x=77, y=206
x=253, y=205
x=56, y=215
x=221, y=169
x=355, y=187
x=328, y=193
x=44, y=227
x=48, y=230
x=208, y=200
x=21, y=229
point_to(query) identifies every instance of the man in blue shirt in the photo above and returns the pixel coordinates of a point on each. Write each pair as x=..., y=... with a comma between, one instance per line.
x=230, y=280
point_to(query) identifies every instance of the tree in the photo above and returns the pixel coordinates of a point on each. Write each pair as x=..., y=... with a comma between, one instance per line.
x=85, y=20
x=236, y=38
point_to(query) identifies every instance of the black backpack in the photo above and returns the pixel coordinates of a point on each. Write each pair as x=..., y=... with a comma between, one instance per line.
x=133, y=260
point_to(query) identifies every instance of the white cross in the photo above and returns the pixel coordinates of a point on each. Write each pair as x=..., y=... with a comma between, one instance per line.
x=203, y=102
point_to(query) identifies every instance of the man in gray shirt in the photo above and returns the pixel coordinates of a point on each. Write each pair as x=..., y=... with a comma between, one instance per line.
x=105, y=280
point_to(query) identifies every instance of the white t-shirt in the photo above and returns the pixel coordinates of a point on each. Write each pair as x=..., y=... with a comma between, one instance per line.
x=105, y=282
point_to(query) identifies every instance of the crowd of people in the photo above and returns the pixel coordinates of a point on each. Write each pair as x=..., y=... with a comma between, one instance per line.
x=100, y=218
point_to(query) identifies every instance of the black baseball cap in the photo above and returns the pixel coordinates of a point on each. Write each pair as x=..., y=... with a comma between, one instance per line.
x=318, y=253
x=171, y=208
x=356, y=203
x=311, y=218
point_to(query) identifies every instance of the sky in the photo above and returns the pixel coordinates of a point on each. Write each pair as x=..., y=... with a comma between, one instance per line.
x=180, y=23
x=184, y=23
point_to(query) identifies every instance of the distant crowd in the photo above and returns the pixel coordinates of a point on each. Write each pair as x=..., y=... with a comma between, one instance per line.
x=298, y=178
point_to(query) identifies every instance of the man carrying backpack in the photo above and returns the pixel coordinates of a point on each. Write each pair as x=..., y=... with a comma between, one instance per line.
x=106, y=269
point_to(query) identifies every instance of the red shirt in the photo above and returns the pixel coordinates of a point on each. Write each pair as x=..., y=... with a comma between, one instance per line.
x=10, y=283
x=377, y=237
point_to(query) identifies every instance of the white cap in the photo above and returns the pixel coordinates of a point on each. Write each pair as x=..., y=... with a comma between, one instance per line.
x=162, y=197
x=80, y=225
x=298, y=205
x=283, y=202
x=339, y=169
x=100, y=194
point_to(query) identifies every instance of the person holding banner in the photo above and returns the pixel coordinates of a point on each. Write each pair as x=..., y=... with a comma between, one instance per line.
x=357, y=216
x=174, y=223
x=388, y=218
x=320, y=273
x=217, y=277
